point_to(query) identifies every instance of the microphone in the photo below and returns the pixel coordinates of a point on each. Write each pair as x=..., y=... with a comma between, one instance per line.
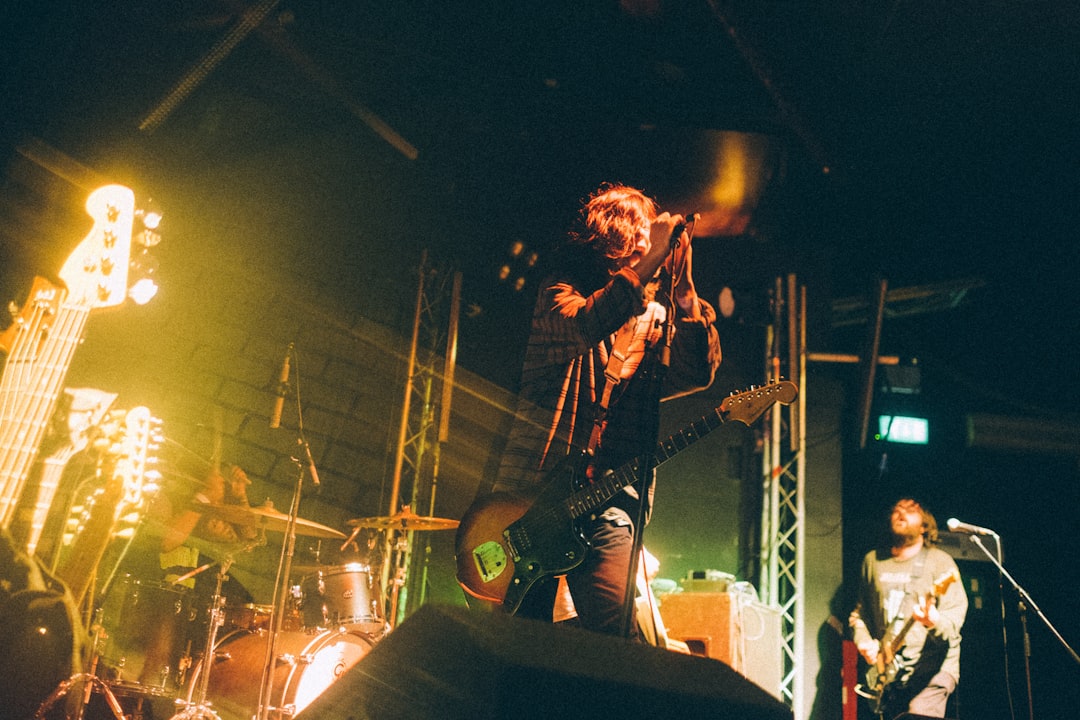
x=677, y=231
x=957, y=526
x=283, y=382
x=311, y=464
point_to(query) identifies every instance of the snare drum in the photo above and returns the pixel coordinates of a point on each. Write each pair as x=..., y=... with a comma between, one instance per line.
x=306, y=665
x=149, y=632
x=340, y=596
x=250, y=616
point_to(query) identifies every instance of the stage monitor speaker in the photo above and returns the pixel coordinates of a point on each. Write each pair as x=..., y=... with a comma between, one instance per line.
x=450, y=663
x=729, y=627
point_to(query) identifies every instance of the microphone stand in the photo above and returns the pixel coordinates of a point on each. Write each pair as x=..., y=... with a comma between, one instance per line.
x=1026, y=601
x=288, y=547
x=281, y=591
x=656, y=370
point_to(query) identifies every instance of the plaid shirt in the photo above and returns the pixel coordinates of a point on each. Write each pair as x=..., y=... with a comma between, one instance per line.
x=571, y=336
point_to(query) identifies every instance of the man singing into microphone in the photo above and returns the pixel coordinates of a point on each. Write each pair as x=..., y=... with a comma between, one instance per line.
x=591, y=379
x=907, y=623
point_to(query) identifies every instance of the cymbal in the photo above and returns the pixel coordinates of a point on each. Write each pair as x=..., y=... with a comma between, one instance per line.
x=405, y=520
x=266, y=518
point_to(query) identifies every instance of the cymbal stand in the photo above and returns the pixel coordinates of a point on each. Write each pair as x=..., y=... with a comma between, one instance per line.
x=90, y=682
x=401, y=571
x=197, y=707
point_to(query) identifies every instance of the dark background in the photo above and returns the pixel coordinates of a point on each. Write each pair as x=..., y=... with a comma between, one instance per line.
x=930, y=146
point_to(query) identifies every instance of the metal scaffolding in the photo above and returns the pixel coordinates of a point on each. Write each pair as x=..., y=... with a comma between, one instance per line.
x=784, y=470
x=424, y=427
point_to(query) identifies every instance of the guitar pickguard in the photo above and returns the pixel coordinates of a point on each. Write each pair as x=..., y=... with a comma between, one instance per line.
x=490, y=559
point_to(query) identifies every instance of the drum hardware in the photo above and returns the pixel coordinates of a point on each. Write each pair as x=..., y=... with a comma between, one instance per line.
x=200, y=708
x=404, y=522
x=89, y=682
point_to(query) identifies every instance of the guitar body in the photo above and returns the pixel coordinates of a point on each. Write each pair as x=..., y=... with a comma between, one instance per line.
x=506, y=543
x=887, y=669
x=879, y=677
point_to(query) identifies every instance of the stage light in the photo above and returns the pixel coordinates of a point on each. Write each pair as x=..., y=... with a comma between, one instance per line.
x=149, y=217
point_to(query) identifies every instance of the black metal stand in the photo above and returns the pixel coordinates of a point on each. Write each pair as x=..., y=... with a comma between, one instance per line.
x=281, y=592
x=89, y=682
x=657, y=370
x=197, y=707
x=1025, y=602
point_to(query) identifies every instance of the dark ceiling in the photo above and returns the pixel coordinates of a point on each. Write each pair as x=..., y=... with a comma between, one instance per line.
x=913, y=142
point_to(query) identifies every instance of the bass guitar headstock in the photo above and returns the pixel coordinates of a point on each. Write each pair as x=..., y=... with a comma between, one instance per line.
x=96, y=272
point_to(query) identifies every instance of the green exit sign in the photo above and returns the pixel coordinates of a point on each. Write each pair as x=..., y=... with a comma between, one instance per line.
x=903, y=429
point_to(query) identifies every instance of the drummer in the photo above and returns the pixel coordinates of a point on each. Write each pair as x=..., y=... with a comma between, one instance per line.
x=178, y=537
x=181, y=546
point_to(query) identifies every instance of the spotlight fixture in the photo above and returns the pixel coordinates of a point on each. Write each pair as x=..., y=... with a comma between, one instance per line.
x=143, y=266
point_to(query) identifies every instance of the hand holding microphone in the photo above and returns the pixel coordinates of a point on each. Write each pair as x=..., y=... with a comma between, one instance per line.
x=682, y=269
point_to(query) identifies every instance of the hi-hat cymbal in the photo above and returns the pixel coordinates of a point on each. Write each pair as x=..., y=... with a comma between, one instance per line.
x=405, y=520
x=266, y=518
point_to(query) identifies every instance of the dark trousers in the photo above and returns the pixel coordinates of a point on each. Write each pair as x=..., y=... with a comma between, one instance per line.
x=598, y=584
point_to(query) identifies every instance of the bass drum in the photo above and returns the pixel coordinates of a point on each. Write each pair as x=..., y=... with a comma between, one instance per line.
x=306, y=665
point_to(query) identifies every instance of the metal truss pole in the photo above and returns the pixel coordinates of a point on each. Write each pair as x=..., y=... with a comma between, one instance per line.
x=784, y=468
x=416, y=454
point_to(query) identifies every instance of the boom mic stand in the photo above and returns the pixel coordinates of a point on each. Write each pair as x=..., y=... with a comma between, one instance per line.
x=1026, y=601
x=281, y=592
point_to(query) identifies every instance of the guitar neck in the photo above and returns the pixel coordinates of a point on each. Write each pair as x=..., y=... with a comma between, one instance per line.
x=602, y=489
x=32, y=381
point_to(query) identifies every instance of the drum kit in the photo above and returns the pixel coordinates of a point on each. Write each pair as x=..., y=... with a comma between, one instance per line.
x=149, y=638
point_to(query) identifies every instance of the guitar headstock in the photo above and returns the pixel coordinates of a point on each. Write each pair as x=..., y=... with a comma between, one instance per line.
x=942, y=583
x=133, y=458
x=96, y=273
x=748, y=405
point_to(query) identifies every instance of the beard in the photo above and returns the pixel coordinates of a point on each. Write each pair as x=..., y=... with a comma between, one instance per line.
x=906, y=536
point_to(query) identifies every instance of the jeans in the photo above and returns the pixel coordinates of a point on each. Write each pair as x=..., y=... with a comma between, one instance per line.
x=598, y=584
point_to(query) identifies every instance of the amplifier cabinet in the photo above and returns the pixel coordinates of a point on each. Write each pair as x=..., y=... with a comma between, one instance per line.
x=731, y=627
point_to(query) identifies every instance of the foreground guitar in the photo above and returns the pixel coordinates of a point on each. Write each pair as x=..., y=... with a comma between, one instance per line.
x=505, y=543
x=42, y=341
x=887, y=667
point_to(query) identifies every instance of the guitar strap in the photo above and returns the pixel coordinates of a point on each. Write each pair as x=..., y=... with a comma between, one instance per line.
x=910, y=597
x=620, y=351
x=918, y=569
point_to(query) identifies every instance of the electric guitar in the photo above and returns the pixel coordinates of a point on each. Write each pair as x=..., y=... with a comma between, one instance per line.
x=78, y=418
x=111, y=507
x=41, y=343
x=505, y=543
x=886, y=669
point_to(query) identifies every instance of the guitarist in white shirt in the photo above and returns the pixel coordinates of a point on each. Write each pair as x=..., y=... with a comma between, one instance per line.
x=907, y=623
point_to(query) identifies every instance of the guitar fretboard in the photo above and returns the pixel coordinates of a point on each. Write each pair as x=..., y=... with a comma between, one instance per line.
x=603, y=489
x=29, y=390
